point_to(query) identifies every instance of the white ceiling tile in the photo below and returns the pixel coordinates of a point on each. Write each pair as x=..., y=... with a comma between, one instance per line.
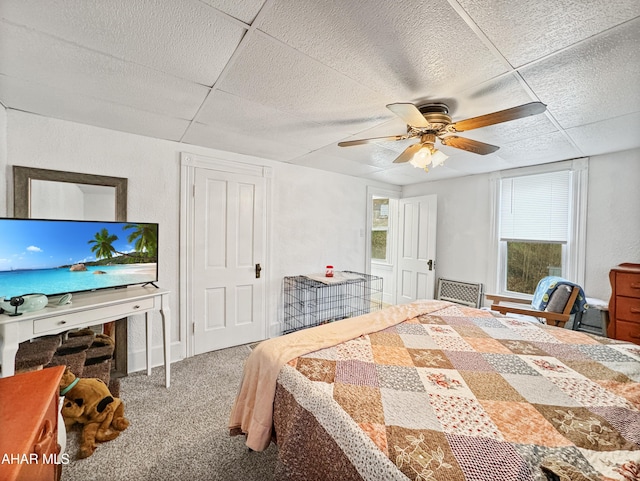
x=246, y=10
x=242, y=143
x=229, y=112
x=65, y=105
x=405, y=49
x=318, y=160
x=187, y=39
x=375, y=155
x=621, y=133
x=469, y=163
x=408, y=174
x=593, y=81
x=527, y=30
x=550, y=148
x=491, y=96
x=391, y=127
x=32, y=56
x=441, y=172
x=273, y=74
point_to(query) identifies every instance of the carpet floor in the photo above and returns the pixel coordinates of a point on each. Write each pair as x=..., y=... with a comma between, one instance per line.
x=178, y=433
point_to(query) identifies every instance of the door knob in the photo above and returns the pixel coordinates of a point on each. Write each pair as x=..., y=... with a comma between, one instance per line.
x=258, y=269
x=430, y=264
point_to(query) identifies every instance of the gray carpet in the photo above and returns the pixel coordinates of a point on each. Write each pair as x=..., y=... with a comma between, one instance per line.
x=178, y=433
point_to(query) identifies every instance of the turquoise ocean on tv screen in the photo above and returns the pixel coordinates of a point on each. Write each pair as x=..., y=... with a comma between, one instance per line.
x=62, y=280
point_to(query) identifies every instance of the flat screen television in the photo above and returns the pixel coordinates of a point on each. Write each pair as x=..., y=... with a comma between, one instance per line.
x=55, y=257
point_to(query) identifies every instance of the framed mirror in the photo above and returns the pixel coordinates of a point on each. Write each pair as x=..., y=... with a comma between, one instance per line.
x=34, y=189
x=54, y=194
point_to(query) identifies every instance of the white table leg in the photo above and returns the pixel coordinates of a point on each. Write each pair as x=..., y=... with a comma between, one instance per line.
x=9, y=348
x=165, y=312
x=148, y=329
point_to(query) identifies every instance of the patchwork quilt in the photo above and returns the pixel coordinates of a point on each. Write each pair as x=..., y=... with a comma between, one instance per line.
x=458, y=394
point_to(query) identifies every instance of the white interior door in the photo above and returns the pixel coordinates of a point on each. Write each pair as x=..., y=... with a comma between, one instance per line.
x=416, y=248
x=228, y=226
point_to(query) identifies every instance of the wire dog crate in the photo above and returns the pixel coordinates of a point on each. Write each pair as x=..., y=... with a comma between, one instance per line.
x=308, y=303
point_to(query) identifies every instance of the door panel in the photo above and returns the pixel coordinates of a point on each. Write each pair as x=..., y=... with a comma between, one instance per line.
x=416, y=277
x=229, y=229
x=215, y=301
x=423, y=285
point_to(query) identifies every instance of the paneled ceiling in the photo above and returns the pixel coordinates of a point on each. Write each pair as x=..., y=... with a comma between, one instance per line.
x=288, y=79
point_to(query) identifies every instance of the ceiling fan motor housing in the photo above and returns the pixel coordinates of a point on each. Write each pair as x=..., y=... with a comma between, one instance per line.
x=436, y=115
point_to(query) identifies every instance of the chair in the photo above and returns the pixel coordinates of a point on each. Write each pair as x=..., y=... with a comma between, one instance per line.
x=554, y=300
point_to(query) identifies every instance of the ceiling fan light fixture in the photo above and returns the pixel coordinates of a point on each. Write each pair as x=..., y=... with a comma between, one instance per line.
x=438, y=158
x=426, y=156
x=422, y=158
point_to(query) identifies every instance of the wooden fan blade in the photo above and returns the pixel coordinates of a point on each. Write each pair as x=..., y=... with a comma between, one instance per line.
x=514, y=113
x=469, y=145
x=409, y=113
x=408, y=153
x=375, y=139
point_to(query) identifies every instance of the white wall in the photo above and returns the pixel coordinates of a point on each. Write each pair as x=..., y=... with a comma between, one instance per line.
x=4, y=168
x=464, y=230
x=613, y=219
x=318, y=217
x=613, y=222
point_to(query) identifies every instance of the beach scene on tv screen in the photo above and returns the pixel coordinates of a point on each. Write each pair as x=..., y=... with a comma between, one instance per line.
x=57, y=257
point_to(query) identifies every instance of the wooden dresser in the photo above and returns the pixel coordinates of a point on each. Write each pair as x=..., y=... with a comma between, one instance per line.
x=29, y=426
x=624, y=305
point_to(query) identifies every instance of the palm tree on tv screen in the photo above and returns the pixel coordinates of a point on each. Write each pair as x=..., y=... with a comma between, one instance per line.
x=102, y=244
x=145, y=237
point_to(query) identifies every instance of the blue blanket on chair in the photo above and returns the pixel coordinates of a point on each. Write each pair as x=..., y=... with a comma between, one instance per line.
x=545, y=288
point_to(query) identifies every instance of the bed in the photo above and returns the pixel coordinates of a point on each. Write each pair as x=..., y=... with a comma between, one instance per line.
x=435, y=391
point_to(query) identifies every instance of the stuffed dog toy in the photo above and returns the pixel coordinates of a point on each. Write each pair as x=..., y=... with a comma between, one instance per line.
x=88, y=401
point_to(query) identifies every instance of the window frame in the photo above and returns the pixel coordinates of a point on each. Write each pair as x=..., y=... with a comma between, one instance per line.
x=573, y=251
x=388, y=260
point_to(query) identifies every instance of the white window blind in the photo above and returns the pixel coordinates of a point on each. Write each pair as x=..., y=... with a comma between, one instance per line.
x=536, y=207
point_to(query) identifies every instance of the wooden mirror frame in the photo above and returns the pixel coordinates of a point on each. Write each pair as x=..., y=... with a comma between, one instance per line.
x=22, y=177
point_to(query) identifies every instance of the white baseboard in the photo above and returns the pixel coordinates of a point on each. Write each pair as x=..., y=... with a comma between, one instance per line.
x=137, y=360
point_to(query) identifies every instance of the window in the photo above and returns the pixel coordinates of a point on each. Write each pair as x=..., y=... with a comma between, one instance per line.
x=528, y=262
x=380, y=230
x=540, y=227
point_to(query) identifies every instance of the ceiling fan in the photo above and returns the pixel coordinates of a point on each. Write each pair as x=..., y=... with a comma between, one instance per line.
x=431, y=121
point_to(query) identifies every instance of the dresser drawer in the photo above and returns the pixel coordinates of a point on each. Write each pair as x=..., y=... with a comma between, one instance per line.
x=70, y=320
x=628, y=284
x=628, y=331
x=628, y=308
x=45, y=446
x=29, y=420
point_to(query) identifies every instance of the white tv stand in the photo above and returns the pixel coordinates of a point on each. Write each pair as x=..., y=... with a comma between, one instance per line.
x=86, y=309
